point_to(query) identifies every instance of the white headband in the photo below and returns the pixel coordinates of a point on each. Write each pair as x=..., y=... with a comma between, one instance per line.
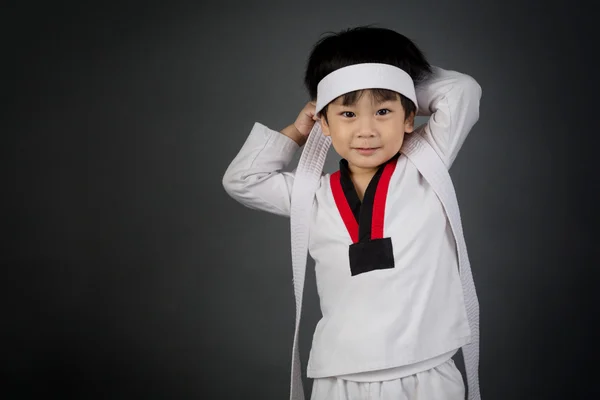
x=310, y=169
x=364, y=76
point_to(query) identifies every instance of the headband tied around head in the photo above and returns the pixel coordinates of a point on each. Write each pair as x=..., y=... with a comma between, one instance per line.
x=364, y=76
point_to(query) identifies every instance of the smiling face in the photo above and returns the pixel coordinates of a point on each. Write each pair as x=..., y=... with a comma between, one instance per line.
x=368, y=132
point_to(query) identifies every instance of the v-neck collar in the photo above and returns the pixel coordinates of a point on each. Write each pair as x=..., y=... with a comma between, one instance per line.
x=361, y=211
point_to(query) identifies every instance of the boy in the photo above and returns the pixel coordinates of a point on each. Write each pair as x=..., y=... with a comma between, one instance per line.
x=393, y=277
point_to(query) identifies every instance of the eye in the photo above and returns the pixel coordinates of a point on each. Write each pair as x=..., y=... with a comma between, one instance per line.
x=384, y=111
x=347, y=114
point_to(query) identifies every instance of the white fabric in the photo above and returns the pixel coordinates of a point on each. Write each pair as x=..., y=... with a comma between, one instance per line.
x=305, y=184
x=419, y=151
x=388, y=374
x=395, y=321
x=364, y=76
x=443, y=382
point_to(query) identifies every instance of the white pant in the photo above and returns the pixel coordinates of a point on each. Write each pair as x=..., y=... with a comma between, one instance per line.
x=443, y=382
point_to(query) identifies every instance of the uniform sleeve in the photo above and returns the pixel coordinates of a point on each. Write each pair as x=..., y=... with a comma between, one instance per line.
x=451, y=99
x=255, y=179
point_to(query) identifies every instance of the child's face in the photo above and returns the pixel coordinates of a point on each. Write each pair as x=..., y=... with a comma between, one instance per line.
x=368, y=133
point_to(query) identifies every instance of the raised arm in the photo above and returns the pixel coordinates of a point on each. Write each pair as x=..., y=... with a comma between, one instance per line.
x=255, y=177
x=451, y=99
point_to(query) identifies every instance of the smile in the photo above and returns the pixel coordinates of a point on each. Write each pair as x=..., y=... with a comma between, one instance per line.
x=366, y=150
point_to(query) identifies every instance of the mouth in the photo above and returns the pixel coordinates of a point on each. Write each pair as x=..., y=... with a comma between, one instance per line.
x=366, y=150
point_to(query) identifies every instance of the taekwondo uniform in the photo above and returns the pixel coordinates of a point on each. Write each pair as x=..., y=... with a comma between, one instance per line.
x=388, y=269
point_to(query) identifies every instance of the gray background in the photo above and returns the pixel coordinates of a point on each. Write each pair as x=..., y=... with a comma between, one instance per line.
x=127, y=271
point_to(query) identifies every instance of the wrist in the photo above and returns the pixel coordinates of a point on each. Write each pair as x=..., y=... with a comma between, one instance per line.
x=293, y=133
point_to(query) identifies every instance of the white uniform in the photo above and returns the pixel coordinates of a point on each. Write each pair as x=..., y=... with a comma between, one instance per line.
x=387, y=269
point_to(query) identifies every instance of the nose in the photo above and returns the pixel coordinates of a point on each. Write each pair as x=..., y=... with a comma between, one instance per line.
x=366, y=128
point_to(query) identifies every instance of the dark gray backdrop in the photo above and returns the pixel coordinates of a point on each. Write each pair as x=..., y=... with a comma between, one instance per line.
x=129, y=273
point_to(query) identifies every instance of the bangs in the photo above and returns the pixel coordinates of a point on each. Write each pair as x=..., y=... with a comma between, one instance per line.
x=378, y=96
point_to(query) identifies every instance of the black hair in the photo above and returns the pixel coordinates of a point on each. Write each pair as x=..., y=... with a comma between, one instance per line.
x=365, y=44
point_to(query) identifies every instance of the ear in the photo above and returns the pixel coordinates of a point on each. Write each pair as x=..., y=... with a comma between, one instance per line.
x=324, y=125
x=409, y=123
